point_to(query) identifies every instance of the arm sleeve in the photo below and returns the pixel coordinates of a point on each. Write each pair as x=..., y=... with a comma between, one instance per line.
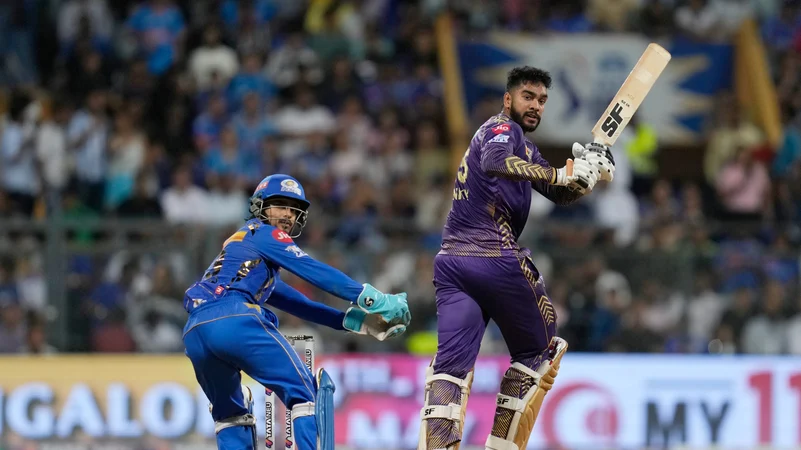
x=561, y=195
x=276, y=246
x=287, y=298
x=498, y=159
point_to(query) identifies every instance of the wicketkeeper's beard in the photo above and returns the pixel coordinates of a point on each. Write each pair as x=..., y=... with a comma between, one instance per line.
x=282, y=224
x=521, y=117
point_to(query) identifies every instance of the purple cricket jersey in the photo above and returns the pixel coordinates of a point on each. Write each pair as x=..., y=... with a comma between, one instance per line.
x=489, y=212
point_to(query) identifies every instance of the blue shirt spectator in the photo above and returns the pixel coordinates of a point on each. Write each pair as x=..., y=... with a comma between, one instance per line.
x=160, y=27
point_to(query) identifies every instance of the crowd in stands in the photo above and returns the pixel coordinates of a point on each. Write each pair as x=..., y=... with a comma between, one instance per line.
x=174, y=110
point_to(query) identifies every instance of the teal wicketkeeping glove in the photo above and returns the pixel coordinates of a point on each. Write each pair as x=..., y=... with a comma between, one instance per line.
x=392, y=308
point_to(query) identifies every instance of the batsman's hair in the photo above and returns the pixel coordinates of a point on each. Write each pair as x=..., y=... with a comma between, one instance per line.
x=527, y=74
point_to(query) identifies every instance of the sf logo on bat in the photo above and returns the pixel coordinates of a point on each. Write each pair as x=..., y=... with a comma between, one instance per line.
x=613, y=120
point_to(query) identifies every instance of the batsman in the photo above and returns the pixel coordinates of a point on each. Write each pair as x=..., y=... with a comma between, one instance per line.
x=482, y=273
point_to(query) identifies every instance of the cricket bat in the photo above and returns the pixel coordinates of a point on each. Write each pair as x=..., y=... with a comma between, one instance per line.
x=630, y=95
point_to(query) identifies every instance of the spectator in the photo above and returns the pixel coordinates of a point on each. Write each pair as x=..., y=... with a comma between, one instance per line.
x=228, y=201
x=765, y=332
x=634, y=335
x=211, y=59
x=249, y=79
x=184, y=202
x=432, y=160
x=126, y=150
x=293, y=63
x=615, y=209
x=301, y=118
x=235, y=13
x=36, y=340
x=96, y=14
x=143, y=203
x=661, y=207
x=779, y=30
x=789, y=153
x=51, y=148
x=227, y=158
x=252, y=126
x=12, y=325
x=252, y=36
x=744, y=188
x=18, y=171
x=704, y=310
x=208, y=125
x=738, y=314
x=159, y=28
x=87, y=136
x=352, y=120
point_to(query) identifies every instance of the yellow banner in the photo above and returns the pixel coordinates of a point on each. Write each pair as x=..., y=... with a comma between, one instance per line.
x=102, y=397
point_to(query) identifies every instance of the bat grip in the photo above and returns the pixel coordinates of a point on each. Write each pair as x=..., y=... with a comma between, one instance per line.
x=569, y=167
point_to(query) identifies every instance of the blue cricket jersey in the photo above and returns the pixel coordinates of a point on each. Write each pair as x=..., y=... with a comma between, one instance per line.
x=248, y=267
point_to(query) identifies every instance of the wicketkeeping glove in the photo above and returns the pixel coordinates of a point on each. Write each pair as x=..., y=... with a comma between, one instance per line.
x=392, y=308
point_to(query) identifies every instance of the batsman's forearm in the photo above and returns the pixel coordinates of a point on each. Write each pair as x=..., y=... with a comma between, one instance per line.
x=561, y=195
x=517, y=169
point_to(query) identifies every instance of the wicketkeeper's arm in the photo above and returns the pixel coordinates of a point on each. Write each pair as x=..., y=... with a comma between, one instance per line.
x=288, y=299
x=281, y=250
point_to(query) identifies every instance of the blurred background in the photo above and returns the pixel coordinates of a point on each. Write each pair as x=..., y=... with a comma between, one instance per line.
x=133, y=133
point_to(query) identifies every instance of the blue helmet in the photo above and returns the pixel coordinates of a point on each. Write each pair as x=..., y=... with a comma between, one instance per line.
x=280, y=186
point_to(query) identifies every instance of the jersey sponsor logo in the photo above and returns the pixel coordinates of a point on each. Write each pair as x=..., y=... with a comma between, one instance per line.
x=502, y=138
x=502, y=128
x=290, y=186
x=219, y=290
x=529, y=153
x=296, y=250
x=281, y=236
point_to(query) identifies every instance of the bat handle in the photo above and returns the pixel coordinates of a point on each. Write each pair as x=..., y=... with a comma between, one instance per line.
x=569, y=167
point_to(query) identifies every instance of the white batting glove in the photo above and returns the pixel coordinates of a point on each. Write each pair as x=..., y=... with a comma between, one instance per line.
x=583, y=178
x=599, y=156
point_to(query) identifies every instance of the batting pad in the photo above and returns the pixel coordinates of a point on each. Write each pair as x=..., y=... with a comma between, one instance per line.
x=443, y=413
x=522, y=393
x=324, y=411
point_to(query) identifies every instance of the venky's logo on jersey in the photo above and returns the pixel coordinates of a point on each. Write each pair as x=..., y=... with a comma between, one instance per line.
x=529, y=153
x=502, y=128
x=281, y=236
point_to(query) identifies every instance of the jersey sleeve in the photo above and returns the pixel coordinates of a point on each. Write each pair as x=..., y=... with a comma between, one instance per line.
x=276, y=246
x=289, y=299
x=561, y=195
x=498, y=158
